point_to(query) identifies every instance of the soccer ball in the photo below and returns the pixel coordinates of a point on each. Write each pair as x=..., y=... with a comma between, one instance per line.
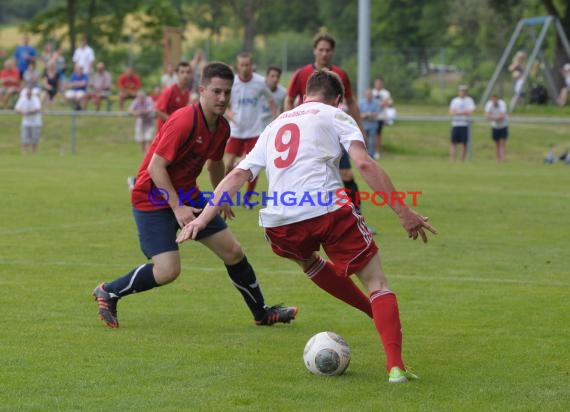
x=326, y=353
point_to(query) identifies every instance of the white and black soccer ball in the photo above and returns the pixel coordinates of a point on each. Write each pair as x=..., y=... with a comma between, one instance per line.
x=326, y=353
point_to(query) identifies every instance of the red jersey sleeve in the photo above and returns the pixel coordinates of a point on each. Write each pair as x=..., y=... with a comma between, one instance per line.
x=294, y=89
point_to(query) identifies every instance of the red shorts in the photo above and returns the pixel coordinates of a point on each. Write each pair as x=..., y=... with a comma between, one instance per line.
x=240, y=147
x=343, y=235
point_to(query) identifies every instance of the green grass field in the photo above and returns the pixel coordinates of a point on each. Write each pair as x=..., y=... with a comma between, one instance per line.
x=484, y=305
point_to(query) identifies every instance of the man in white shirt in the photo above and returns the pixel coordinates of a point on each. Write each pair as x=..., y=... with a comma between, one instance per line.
x=496, y=112
x=461, y=108
x=245, y=113
x=30, y=107
x=300, y=152
x=84, y=56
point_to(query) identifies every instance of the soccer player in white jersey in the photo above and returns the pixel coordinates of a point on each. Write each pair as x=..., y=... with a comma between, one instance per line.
x=300, y=151
x=245, y=113
x=272, y=77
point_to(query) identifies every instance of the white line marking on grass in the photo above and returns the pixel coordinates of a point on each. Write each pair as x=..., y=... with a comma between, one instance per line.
x=190, y=268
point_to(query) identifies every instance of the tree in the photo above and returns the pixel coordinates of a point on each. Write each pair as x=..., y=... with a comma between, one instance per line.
x=560, y=54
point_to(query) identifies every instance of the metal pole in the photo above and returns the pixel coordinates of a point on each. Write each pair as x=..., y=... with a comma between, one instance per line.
x=531, y=59
x=363, y=47
x=552, y=92
x=502, y=62
x=73, y=136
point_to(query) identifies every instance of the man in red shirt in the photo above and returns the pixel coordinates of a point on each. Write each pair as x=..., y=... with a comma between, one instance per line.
x=166, y=197
x=129, y=84
x=174, y=97
x=9, y=82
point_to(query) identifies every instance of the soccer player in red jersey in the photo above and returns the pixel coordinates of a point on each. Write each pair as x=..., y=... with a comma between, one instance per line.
x=323, y=50
x=166, y=197
x=300, y=151
x=174, y=97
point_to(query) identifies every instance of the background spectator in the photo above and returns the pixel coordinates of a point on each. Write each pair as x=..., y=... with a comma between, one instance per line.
x=47, y=54
x=9, y=82
x=24, y=54
x=84, y=56
x=32, y=78
x=369, y=112
x=58, y=59
x=76, y=92
x=496, y=112
x=518, y=62
x=517, y=69
x=142, y=108
x=100, y=85
x=50, y=82
x=564, y=90
x=169, y=77
x=29, y=106
x=129, y=84
x=384, y=100
x=461, y=108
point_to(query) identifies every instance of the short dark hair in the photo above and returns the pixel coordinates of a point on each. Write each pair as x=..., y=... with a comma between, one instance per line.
x=244, y=55
x=324, y=37
x=327, y=83
x=216, y=69
x=182, y=64
x=273, y=69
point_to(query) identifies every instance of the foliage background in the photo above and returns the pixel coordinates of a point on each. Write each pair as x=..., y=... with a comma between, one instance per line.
x=410, y=39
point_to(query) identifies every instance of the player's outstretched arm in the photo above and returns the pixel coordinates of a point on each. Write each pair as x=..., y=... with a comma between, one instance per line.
x=225, y=190
x=413, y=223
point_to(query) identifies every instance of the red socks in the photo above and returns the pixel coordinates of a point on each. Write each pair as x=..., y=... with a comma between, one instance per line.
x=323, y=274
x=387, y=322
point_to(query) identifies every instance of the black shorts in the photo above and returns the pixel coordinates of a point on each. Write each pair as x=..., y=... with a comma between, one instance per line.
x=157, y=230
x=459, y=134
x=499, y=134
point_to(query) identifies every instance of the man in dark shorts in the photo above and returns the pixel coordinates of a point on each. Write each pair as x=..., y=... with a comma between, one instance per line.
x=461, y=109
x=166, y=197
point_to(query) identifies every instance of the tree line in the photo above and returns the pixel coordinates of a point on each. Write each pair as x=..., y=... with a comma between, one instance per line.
x=407, y=34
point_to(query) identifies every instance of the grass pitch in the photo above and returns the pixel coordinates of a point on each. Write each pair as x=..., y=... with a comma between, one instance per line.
x=484, y=305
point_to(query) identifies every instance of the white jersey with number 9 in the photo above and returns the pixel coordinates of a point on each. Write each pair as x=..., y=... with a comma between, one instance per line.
x=300, y=151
